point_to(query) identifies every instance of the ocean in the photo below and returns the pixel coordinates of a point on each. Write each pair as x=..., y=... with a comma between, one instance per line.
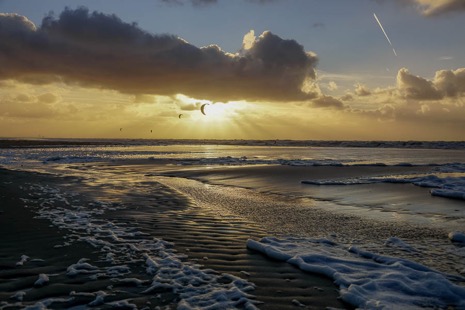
x=193, y=224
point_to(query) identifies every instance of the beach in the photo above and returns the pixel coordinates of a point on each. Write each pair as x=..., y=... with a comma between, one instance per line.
x=170, y=232
x=209, y=240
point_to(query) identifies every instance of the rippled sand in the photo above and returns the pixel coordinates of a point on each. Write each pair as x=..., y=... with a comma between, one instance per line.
x=103, y=234
x=198, y=234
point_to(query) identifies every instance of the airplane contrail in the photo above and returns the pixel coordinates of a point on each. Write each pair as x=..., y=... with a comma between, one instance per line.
x=385, y=34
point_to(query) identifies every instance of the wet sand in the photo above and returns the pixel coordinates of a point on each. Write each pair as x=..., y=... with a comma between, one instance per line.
x=389, y=205
x=206, y=214
x=273, y=197
x=201, y=234
x=22, y=233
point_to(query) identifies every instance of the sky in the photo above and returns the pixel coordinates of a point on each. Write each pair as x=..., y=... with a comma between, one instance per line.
x=233, y=69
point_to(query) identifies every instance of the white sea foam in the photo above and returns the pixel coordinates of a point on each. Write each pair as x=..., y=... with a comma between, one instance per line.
x=24, y=258
x=122, y=304
x=81, y=267
x=457, y=236
x=19, y=295
x=99, y=299
x=44, y=304
x=42, y=280
x=448, y=187
x=367, y=280
x=124, y=246
x=399, y=244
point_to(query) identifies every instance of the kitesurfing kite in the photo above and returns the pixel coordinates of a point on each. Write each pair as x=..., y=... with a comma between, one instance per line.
x=202, y=108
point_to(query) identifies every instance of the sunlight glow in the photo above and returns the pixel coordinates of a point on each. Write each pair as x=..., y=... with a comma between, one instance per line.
x=217, y=110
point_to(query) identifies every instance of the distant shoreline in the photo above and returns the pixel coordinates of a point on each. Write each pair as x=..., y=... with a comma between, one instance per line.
x=55, y=142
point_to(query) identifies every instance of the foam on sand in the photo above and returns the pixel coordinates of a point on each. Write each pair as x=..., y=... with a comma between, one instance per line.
x=368, y=280
x=448, y=186
x=42, y=280
x=125, y=248
x=24, y=258
x=457, y=236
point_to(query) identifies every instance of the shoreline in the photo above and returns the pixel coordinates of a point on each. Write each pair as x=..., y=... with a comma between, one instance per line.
x=408, y=144
x=381, y=202
x=223, y=249
x=152, y=228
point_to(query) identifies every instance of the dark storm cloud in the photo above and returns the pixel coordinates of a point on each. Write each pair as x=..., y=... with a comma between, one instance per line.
x=98, y=50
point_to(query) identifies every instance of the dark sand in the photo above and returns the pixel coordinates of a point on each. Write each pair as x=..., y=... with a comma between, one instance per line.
x=22, y=233
x=208, y=236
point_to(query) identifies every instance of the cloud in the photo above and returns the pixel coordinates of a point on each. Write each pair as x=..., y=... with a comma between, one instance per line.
x=93, y=49
x=48, y=98
x=332, y=86
x=327, y=102
x=446, y=83
x=419, y=107
x=450, y=83
x=416, y=87
x=362, y=90
x=431, y=8
x=347, y=97
x=142, y=98
x=439, y=7
x=29, y=106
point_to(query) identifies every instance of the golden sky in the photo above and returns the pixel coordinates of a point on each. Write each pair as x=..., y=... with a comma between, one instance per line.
x=89, y=74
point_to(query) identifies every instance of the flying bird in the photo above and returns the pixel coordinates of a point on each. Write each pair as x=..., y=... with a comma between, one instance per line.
x=180, y=115
x=120, y=129
x=202, y=108
x=385, y=34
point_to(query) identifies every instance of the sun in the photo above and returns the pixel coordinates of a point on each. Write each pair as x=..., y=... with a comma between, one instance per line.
x=208, y=111
x=217, y=110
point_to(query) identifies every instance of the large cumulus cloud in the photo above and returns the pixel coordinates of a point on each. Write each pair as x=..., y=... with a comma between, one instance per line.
x=416, y=87
x=446, y=83
x=99, y=50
